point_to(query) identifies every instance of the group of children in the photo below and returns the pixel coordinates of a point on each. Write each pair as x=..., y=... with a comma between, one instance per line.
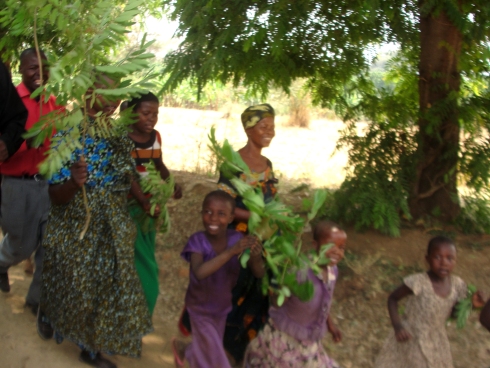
x=292, y=335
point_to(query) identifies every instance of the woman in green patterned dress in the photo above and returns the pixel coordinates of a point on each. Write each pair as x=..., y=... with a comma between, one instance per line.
x=91, y=292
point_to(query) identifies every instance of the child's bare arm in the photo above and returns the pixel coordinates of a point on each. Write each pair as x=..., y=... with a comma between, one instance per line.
x=203, y=269
x=400, y=333
x=334, y=330
x=256, y=262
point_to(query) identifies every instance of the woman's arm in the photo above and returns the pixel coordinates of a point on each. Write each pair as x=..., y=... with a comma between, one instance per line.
x=256, y=262
x=400, y=293
x=203, y=269
x=241, y=215
x=63, y=193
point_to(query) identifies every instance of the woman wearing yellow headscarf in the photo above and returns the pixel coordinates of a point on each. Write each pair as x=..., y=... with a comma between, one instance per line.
x=250, y=307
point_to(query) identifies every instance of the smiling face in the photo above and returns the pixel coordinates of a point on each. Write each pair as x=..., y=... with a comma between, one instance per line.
x=31, y=72
x=147, y=117
x=262, y=133
x=442, y=260
x=339, y=239
x=216, y=215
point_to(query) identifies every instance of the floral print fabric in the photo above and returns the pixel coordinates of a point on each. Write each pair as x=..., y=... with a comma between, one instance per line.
x=104, y=166
x=425, y=319
x=250, y=306
x=273, y=348
x=91, y=292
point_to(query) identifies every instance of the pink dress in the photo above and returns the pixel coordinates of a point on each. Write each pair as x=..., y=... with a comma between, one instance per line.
x=208, y=302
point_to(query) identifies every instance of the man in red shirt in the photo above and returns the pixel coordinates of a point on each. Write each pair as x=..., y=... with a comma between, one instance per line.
x=25, y=199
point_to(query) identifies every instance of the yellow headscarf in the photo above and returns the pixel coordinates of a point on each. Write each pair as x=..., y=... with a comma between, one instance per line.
x=253, y=114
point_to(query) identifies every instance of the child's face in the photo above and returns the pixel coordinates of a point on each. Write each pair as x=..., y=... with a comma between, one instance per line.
x=262, y=133
x=442, y=260
x=216, y=215
x=336, y=253
x=147, y=117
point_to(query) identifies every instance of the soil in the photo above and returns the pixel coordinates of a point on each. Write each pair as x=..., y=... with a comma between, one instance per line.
x=374, y=264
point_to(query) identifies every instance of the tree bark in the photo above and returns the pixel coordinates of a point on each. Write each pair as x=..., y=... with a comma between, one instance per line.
x=434, y=189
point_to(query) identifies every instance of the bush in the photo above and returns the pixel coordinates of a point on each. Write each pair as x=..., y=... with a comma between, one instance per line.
x=474, y=217
x=375, y=193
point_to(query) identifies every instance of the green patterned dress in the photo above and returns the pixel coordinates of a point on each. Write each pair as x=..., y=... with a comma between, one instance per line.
x=91, y=292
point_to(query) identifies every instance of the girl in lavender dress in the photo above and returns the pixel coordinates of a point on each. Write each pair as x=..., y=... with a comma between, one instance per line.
x=292, y=337
x=214, y=268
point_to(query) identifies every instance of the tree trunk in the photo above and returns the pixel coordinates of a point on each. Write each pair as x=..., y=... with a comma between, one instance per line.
x=434, y=190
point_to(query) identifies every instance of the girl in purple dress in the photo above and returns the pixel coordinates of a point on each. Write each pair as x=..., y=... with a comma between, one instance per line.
x=214, y=268
x=292, y=336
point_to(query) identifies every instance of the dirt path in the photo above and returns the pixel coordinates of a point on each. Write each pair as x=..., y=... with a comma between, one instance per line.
x=374, y=265
x=21, y=347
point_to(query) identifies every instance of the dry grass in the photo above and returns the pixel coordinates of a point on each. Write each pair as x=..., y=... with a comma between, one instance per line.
x=362, y=265
x=299, y=114
x=306, y=155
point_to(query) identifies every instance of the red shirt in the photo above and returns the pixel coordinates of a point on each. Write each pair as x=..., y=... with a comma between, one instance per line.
x=26, y=160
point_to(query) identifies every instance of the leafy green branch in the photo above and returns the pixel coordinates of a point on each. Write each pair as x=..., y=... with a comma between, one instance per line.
x=277, y=226
x=160, y=192
x=463, y=308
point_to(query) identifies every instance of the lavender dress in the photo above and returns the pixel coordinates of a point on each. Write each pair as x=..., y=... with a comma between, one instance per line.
x=292, y=337
x=208, y=302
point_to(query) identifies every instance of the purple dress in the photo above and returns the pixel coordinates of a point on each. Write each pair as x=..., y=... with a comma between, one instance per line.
x=292, y=337
x=208, y=302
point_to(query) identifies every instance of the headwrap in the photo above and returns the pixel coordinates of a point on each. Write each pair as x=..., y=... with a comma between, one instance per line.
x=253, y=114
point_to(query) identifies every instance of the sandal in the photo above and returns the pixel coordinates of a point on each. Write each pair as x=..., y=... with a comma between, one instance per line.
x=98, y=361
x=178, y=362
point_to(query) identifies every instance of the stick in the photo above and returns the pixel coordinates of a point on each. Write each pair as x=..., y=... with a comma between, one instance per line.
x=84, y=192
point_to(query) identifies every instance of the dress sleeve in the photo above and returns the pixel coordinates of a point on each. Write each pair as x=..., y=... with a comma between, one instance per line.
x=64, y=174
x=414, y=282
x=195, y=244
x=460, y=287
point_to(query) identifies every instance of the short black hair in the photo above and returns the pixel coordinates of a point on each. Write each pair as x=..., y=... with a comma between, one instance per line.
x=29, y=51
x=437, y=241
x=323, y=227
x=135, y=102
x=222, y=196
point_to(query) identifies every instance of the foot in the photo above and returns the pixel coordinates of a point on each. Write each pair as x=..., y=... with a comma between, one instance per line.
x=28, y=266
x=44, y=328
x=33, y=307
x=4, y=282
x=98, y=361
x=178, y=349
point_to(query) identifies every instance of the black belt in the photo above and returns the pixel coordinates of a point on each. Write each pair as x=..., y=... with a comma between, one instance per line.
x=36, y=177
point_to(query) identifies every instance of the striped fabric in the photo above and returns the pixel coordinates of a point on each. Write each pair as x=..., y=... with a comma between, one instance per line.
x=144, y=152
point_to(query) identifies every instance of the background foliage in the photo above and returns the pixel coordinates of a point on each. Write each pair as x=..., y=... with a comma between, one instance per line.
x=263, y=45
